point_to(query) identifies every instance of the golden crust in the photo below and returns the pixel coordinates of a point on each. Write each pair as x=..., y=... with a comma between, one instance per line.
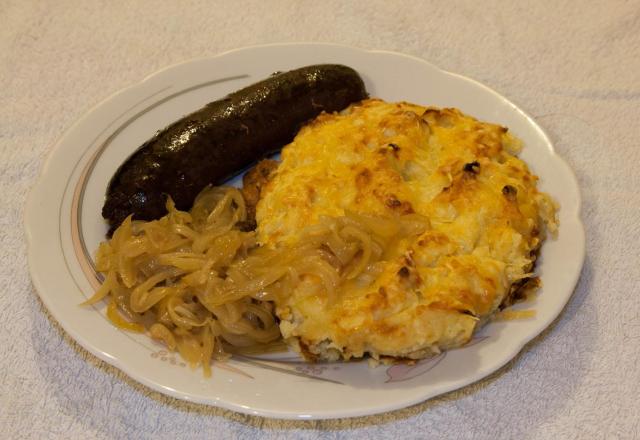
x=252, y=183
x=391, y=159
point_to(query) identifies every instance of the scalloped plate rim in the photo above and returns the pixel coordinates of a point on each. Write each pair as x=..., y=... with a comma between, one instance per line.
x=36, y=192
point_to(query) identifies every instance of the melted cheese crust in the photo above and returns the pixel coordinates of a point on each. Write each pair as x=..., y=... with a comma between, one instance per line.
x=389, y=159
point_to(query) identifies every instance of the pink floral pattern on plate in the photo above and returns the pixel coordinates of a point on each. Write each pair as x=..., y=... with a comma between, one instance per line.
x=402, y=372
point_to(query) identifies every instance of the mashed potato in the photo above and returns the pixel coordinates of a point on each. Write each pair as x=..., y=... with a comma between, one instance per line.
x=431, y=291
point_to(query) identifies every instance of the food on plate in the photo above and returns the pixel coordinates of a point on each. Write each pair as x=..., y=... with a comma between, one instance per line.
x=187, y=280
x=483, y=221
x=219, y=140
x=198, y=283
x=388, y=230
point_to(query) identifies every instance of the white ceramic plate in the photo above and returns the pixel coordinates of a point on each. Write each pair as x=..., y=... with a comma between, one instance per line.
x=64, y=228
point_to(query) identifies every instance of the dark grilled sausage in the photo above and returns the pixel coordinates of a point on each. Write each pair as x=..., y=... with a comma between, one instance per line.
x=222, y=138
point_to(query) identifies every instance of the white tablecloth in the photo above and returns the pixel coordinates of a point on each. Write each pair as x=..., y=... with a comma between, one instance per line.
x=575, y=66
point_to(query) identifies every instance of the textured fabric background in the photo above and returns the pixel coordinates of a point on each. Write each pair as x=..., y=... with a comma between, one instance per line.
x=575, y=66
